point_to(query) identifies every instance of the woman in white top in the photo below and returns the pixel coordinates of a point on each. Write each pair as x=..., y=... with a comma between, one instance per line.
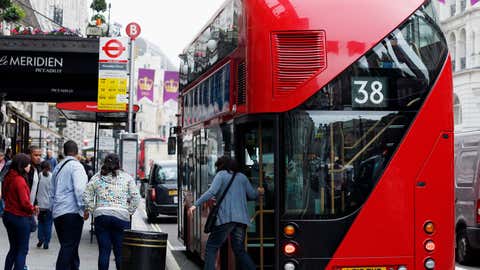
x=45, y=219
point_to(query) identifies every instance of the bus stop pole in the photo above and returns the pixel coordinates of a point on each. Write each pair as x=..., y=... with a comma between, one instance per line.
x=130, y=88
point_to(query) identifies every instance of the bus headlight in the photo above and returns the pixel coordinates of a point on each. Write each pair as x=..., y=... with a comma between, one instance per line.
x=429, y=263
x=289, y=266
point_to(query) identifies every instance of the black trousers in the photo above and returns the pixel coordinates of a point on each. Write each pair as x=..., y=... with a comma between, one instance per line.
x=69, y=229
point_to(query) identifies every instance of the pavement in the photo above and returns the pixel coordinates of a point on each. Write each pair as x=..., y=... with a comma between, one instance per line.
x=40, y=259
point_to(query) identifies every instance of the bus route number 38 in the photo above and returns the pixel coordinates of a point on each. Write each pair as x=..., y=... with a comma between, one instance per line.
x=369, y=92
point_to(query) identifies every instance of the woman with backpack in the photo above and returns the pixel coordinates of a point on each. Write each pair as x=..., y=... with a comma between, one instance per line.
x=18, y=212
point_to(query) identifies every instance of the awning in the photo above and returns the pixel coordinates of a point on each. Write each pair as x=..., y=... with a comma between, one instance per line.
x=28, y=119
x=88, y=112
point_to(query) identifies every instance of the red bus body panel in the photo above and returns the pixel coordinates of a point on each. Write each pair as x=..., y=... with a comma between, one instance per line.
x=398, y=208
x=352, y=28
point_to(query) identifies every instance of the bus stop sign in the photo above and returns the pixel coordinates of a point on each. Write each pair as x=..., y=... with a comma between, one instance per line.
x=133, y=30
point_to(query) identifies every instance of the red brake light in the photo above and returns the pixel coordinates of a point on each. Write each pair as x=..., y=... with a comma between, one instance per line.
x=478, y=211
x=153, y=194
x=289, y=248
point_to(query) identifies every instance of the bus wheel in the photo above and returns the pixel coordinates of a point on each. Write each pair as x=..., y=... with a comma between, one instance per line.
x=463, y=252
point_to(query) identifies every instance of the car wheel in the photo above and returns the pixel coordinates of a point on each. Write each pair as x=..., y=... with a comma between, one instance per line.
x=463, y=252
x=150, y=215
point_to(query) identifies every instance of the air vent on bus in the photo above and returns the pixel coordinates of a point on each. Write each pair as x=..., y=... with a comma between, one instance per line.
x=241, y=84
x=297, y=57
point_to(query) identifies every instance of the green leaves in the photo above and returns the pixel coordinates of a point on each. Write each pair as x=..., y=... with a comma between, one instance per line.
x=14, y=13
x=5, y=4
x=99, y=5
x=98, y=16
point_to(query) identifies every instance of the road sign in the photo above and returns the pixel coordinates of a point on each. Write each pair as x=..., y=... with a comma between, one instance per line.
x=113, y=50
x=133, y=30
x=112, y=93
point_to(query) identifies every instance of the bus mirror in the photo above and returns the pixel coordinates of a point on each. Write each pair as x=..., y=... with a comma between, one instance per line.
x=172, y=145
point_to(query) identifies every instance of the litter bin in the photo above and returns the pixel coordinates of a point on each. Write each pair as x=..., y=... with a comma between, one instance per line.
x=144, y=250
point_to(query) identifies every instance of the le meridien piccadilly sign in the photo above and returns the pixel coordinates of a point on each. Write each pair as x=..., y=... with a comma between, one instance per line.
x=41, y=64
x=48, y=69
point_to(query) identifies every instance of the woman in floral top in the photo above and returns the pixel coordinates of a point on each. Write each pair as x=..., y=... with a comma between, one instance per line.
x=113, y=197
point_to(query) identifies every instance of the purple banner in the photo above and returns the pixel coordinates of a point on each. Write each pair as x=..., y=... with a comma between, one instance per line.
x=441, y=1
x=170, y=86
x=474, y=2
x=145, y=83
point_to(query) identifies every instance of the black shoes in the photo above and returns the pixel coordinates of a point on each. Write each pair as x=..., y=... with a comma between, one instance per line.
x=39, y=244
x=45, y=246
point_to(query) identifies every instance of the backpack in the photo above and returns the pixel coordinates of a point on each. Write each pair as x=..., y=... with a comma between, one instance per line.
x=4, y=170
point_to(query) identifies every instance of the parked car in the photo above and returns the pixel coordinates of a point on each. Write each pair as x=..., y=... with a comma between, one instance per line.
x=161, y=196
x=467, y=197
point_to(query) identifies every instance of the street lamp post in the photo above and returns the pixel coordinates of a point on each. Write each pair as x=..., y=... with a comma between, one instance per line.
x=108, y=29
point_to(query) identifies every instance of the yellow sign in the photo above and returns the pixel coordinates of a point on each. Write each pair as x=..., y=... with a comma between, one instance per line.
x=112, y=94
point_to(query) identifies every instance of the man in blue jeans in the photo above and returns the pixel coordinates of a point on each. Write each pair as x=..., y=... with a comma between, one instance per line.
x=69, y=181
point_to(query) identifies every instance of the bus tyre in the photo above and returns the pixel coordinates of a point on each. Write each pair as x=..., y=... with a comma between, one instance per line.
x=463, y=252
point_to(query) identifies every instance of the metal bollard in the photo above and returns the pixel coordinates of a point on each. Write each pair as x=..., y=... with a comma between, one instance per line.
x=144, y=250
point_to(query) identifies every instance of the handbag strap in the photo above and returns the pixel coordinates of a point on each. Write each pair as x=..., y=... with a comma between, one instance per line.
x=54, y=177
x=225, y=192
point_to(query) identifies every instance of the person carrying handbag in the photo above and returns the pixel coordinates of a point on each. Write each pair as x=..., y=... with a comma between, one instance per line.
x=233, y=189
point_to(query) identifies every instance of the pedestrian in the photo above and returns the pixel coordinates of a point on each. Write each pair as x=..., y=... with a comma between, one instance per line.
x=3, y=161
x=18, y=212
x=233, y=217
x=34, y=175
x=45, y=219
x=68, y=184
x=8, y=154
x=51, y=159
x=112, y=196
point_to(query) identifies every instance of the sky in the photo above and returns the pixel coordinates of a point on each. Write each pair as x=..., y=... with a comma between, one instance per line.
x=170, y=24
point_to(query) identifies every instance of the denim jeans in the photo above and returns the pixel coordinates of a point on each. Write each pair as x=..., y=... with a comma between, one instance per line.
x=18, y=230
x=218, y=236
x=69, y=230
x=109, y=232
x=45, y=221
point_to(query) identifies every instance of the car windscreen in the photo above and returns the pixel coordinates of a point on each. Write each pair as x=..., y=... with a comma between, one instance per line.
x=167, y=174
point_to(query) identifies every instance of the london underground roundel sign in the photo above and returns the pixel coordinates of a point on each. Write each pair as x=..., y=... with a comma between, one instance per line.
x=113, y=48
x=133, y=30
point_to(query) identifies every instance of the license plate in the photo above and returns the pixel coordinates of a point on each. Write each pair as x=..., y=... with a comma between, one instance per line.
x=175, y=199
x=364, y=268
x=172, y=192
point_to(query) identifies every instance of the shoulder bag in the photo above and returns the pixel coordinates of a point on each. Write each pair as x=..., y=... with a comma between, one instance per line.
x=212, y=216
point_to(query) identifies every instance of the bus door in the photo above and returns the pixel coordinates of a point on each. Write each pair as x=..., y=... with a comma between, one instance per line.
x=255, y=148
x=199, y=188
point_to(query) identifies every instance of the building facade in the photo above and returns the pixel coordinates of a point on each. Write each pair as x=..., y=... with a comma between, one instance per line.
x=460, y=20
x=51, y=14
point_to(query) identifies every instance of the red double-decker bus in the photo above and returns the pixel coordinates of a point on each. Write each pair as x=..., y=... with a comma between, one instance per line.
x=342, y=111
